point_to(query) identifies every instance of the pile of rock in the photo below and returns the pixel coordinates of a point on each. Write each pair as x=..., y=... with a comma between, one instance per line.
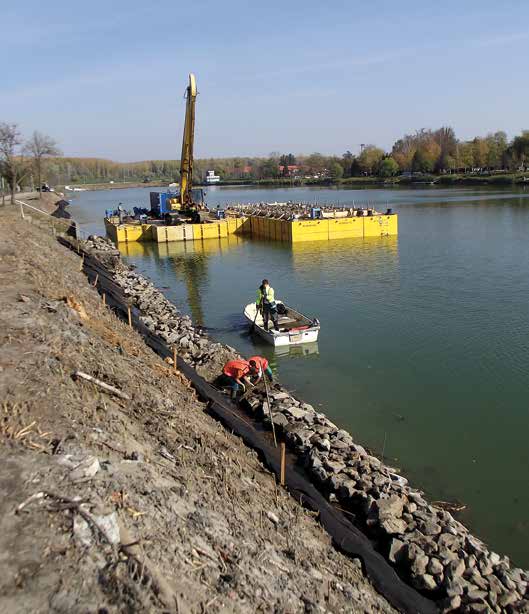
x=426, y=544
x=95, y=242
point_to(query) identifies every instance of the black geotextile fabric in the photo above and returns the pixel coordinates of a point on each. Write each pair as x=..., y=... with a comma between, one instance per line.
x=346, y=536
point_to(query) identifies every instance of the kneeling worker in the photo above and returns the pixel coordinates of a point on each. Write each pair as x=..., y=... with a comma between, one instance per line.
x=237, y=374
x=259, y=367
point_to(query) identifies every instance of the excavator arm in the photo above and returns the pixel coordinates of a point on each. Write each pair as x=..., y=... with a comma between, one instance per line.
x=186, y=160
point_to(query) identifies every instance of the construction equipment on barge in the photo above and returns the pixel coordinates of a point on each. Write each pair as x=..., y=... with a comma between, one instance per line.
x=182, y=215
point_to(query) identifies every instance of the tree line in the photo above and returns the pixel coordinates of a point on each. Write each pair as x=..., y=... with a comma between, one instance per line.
x=23, y=161
x=423, y=152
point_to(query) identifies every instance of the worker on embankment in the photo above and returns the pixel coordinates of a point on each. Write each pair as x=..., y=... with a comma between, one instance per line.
x=266, y=304
x=237, y=375
x=259, y=368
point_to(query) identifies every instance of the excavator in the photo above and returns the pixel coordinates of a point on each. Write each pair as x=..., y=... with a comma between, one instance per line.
x=188, y=204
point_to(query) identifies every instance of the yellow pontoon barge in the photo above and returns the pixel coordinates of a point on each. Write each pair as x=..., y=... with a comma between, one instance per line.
x=261, y=227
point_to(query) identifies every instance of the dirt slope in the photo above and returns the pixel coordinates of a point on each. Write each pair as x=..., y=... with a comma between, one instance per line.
x=174, y=514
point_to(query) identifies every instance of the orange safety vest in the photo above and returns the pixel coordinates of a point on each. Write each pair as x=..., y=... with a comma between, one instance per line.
x=236, y=368
x=259, y=361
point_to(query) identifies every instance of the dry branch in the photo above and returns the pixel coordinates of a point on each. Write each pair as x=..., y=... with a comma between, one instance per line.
x=102, y=385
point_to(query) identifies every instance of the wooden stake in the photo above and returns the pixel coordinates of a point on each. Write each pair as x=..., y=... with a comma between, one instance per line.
x=82, y=264
x=104, y=299
x=174, y=359
x=283, y=460
x=96, y=280
x=130, y=315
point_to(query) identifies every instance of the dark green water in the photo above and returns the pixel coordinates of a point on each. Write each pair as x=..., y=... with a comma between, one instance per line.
x=424, y=347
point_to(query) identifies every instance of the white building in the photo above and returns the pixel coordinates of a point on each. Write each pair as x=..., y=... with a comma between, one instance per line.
x=211, y=177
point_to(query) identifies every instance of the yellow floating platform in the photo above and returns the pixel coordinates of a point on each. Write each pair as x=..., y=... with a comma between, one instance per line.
x=378, y=225
x=324, y=229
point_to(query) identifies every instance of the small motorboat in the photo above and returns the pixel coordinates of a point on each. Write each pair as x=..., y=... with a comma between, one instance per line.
x=294, y=327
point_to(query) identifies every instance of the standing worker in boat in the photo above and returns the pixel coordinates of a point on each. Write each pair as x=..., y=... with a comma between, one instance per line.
x=266, y=304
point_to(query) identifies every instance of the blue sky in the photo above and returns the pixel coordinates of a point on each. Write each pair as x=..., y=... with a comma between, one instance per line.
x=107, y=78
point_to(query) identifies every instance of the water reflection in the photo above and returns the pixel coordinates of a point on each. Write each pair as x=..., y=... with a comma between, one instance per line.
x=367, y=254
x=187, y=259
x=298, y=351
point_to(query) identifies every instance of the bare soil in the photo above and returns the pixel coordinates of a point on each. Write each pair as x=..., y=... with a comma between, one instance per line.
x=202, y=525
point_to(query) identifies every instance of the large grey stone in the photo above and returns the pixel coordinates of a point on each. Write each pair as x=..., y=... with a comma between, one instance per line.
x=396, y=550
x=394, y=526
x=449, y=541
x=323, y=444
x=391, y=507
x=506, y=580
x=298, y=435
x=455, y=586
x=336, y=480
x=455, y=568
x=429, y=527
x=333, y=466
x=295, y=412
x=507, y=599
x=419, y=565
x=280, y=420
x=435, y=567
x=338, y=444
x=475, y=594
x=425, y=582
x=347, y=489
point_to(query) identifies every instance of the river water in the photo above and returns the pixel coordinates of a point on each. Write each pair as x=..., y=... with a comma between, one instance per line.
x=424, y=345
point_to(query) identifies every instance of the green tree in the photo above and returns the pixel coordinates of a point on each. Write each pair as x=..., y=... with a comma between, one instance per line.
x=497, y=146
x=356, y=169
x=480, y=150
x=336, y=170
x=315, y=163
x=370, y=158
x=520, y=147
x=270, y=169
x=421, y=163
x=465, y=155
x=347, y=161
x=388, y=167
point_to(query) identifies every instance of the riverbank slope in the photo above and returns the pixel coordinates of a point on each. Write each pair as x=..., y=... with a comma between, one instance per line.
x=136, y=504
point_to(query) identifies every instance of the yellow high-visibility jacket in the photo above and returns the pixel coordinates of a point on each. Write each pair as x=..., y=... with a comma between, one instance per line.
x=266, y=298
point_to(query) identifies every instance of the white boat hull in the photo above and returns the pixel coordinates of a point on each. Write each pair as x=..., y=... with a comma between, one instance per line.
x=285, y=336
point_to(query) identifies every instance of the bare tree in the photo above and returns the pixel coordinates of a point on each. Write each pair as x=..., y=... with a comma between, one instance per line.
x=13, y=165
x=39, y=147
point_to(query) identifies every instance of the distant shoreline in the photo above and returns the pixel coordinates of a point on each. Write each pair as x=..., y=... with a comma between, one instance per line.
x=503, y=180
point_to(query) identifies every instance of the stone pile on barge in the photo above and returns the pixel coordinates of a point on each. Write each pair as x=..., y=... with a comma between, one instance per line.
x=424, y=542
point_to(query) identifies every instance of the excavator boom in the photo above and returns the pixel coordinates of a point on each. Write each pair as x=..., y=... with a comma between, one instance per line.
x=186, y=160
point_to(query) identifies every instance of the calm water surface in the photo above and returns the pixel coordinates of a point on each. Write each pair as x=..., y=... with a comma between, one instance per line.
x=424, y=347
